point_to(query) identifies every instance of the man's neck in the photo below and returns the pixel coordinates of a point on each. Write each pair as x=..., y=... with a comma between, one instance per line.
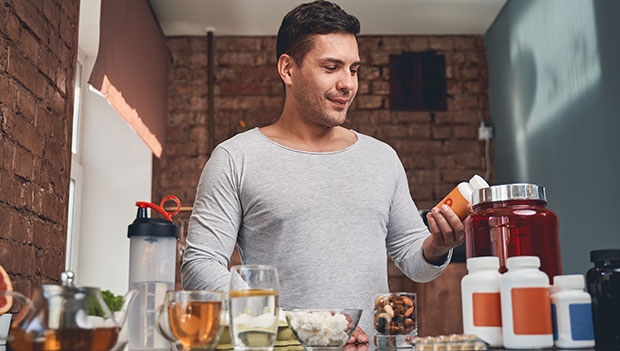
x=292, y=131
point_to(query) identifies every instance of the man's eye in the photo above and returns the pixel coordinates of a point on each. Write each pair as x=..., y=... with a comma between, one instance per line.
x=330, y=68
x=354, y=71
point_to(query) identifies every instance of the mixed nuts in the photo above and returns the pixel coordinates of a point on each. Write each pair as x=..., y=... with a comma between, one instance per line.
x=394, y=314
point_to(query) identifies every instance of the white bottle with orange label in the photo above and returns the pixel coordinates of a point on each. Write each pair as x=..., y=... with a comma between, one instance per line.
x=460, y=196
x=481, y=300
x=526, y=305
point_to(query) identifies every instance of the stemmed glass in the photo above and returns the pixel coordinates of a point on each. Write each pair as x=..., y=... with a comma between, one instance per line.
x=254, y=307
x=192, y=319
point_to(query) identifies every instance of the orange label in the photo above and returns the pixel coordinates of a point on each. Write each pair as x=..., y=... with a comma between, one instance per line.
x=457, y=202
x=531, y=311
x=487, y=310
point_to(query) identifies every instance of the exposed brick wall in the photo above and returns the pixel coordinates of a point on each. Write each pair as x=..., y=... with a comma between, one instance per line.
x=38, y=48
x=438, y=149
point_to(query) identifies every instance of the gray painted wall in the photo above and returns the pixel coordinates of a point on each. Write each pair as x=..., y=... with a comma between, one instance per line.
x=555, y=105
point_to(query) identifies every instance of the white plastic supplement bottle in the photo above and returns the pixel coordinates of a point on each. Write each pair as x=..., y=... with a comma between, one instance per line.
x=572, y=312
x=481, y=300
x=526, y=305
x=460, y=196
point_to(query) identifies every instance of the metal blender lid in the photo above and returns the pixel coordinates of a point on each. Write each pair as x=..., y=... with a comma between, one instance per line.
x=519, y=191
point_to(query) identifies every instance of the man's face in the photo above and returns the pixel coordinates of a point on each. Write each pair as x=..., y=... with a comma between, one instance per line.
x=325, y=84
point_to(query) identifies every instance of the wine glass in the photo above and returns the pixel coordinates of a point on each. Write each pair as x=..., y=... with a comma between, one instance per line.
x=192, y=319
x=254, y=307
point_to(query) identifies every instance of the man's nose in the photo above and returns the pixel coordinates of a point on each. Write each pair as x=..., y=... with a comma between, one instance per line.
x=347, y=82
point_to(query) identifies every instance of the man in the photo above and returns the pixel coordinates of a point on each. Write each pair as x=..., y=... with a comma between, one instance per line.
x=320, y=202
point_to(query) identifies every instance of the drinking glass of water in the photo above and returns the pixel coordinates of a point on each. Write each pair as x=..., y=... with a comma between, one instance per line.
x=192, y=319
x=254, y=306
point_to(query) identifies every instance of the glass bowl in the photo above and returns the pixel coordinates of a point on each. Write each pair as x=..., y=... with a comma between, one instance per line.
x=318, y=329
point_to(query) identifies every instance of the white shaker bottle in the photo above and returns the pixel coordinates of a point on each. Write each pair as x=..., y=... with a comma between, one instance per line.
x=152, y=262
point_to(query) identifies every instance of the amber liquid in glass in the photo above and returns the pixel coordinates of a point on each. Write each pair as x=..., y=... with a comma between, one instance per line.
x=98, y=339
x=195, y=323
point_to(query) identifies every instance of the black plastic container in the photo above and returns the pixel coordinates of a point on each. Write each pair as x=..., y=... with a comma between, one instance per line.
x=604, y=285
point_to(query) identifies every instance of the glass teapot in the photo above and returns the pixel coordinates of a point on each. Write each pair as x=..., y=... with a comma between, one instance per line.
x=67, y=317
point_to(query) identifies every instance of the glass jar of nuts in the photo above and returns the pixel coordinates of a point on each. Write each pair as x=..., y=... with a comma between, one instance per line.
x=395, y=319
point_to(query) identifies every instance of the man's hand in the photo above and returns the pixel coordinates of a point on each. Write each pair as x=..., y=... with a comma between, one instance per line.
x=358, y=337
x=447, y=232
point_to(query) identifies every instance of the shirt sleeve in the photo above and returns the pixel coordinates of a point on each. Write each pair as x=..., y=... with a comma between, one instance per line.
x=213, y=225
x=407, y=232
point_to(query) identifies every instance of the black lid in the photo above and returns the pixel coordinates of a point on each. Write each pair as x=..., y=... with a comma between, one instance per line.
x=605, y=255
x=144, y=226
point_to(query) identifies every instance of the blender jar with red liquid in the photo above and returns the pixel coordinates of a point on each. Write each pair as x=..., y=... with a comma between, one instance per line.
x=513, y=220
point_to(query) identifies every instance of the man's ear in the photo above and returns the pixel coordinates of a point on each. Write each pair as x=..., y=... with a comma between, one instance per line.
x=286, y=68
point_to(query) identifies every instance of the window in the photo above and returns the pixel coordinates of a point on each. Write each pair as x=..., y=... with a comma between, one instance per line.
x=418, y=81
x=75, y=185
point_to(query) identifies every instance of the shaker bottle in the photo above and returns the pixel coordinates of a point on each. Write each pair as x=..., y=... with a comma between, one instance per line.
x=152, y=262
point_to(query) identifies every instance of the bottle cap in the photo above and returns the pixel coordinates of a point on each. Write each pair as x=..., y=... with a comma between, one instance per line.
x=505, y=192
x=571, y=281
x=477, y=182
x=145, y=226
x=522, y=262
x=605, y=255
x=489, y=262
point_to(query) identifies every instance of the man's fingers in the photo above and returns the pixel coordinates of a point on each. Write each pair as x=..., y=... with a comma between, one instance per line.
x=445, y=229
x=434, y=227
x=360, y=335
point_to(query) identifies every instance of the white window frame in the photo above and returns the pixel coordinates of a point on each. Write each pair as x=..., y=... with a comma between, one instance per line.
x=77, y=173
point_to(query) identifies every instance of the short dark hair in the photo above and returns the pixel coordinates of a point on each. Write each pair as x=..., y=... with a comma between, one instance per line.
x=295, y=36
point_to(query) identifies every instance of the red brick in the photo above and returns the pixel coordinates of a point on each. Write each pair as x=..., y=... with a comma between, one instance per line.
x=378, y=58
x=51, y=11
x=456, y=175
x=460, y=117
x=8, y=93
x=444, y=161
x=394, y=131
x=24, y=134
x=369, y=101
x=30, y=16
x=249, y=58
x=250, y=88
x=419, y=131
x=12, y=28
x=458, y=146
x=29, y=46
x=411, y=116
x=20, y=229
x=421, y=192
x=380, y=87
x=25, y=72
x=424, y=176
x=417, y=43
x=465, y=132
x=417, y=162
x=240, y=44
x=61, y=79
x=26, y=104
x=368, y=43
x=24, y=164
x=364, y=87
x=443, y=43
x=369, y=73
x=441, y=132
x=470, y=160
x=416, y=146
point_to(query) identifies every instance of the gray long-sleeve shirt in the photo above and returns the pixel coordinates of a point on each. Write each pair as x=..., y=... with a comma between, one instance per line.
x=324, y=219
